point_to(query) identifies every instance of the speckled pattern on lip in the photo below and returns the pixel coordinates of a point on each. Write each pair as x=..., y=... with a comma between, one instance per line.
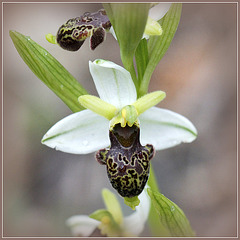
x=127, y=161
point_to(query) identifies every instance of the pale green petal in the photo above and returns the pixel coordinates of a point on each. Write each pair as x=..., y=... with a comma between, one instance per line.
x=164, y=128
x=149, y=100
x=134, y=223
x=79, y=133
x=98, y=106
x=82, y=225
x=113, y=83
x=157, y=12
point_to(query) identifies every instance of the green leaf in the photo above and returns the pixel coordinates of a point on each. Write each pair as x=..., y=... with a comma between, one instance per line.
x=129, y=21
x=171, y=216
x=49, y=70
x=158, y=45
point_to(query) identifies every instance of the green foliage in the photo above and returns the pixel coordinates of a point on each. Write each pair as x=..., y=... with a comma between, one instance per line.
x=171, y=216
x=49, y=70
x=158, y=45
x=129, y=21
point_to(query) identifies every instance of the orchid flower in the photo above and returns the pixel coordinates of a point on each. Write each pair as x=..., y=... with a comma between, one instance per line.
x=115, y=120
x=86, y=131
x=111, y=221
x=101, y=26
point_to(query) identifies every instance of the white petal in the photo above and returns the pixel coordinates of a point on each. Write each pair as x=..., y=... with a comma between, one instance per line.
x=80, y=133
x=82, y=225
x=113, y=83
x=164, y=128
x=157, y=12
x=134, y=223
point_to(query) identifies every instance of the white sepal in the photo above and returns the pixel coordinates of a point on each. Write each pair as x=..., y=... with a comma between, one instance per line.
x=82, y=225
x=164, y=129
x=113, y=83
x=79, y=133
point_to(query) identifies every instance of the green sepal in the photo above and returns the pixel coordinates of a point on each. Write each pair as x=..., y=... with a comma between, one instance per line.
x=132, y=202
x=49, y=70
x=158, y=45
x=171, y=216
x=108, y=225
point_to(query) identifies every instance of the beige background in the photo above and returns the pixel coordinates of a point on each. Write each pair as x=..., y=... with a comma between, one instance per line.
x=43, y=187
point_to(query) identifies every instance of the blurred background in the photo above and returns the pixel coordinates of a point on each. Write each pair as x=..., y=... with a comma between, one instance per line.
x=43, y=187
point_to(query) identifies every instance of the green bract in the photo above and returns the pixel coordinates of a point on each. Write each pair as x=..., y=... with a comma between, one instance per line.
x=158, y=45
x=128, y=21
x=131, y=24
